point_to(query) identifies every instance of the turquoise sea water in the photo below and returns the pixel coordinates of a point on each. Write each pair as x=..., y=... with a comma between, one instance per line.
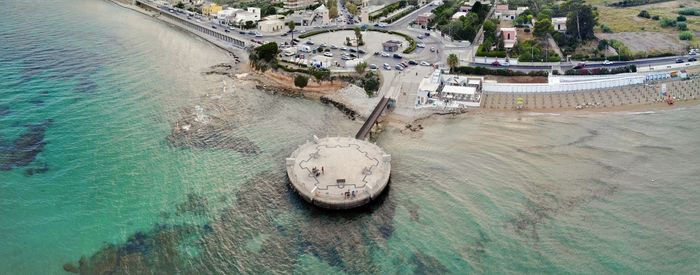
x=93, y=96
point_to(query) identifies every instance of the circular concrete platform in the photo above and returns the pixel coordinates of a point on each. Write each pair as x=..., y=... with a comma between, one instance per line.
x=339, y=172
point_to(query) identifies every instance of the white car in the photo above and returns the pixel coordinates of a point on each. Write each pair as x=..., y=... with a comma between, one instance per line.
x=257, y=34
x=420, y=45
x=329, y=54
x=333, y=47
x=385, y=54
x=424, y=63
x=387, y=67
x=607, y=62
x=344, y=48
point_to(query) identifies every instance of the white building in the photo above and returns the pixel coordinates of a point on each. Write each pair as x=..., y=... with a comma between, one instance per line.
x=297, y=4
x=428, y=89
x=324, y=13
x=559, y=24
x=271, y=25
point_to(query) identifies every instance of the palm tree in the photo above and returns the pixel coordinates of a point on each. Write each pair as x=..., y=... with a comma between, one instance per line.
x=291, y=26
x=452, y=61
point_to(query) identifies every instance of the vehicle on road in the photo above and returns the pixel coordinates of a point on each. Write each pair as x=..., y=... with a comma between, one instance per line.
x=329, y=54
x=296, y=40
x=420, y=45
x=680, y=60
x=334, y=47
x=385, y=54
x=309, y=42
x=361, y=51
x=607, y=62
x=692, y=59
x=412, y=62
x=226, y=30
x=424, y=63
x=496, y=63
x=251, y=32
x=427, y=34
x=397, y=56
x=376, y=53
x=373, y=67
x=344, y=48
x=285, y=34
x=420, y=36
x=257, y=34
x=213, y=27
x=693, y=52
x=241, y=32
x=387, y=67
x=580, y=65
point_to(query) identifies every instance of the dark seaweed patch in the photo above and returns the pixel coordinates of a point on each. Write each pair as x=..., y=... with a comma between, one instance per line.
x=4, y=110
x=85, y=85
x=25, y=148
x=37, y=102
x=209, y=133
x=426, y=264
x=195, y=204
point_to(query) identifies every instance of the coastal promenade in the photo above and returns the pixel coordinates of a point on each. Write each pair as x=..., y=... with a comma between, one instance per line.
x=225, y=40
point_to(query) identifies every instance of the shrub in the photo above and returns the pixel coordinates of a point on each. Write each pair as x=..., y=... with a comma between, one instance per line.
x=689, y=11
x=655, y=17
x=686, y=35
x=301, y=81
x=644, y=14
x=681, y=18
x=605, y=28
x=667, y=22
x=682, y=26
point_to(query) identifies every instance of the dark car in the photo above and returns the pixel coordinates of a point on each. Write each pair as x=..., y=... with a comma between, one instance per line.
x=285, y=34
x=397, y=56
x=680, y=60
x=692, y=59
x=361, y=51
x=242, y=32
x=376, y=53
x=213, y=27
x=427, y=34
x=579, y=66
x=296, y=40
x=496, y=63
x=412, y=62
x=226, y=30
x=352, y=50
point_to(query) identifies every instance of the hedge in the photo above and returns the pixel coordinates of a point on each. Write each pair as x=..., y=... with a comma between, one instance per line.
x=501, y=54
x=400, y=15
x=502, y=72
x=602, y=71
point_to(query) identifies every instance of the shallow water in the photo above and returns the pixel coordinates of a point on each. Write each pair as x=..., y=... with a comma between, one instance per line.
x=93, y=99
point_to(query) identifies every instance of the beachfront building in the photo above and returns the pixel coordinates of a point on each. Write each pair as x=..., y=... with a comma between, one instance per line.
x=271, y=25
x=297, y=4
x=424, y=19
x=211, y=9
x=460, y=91
x=559, y=24
x=510, y=37
x=428, y=89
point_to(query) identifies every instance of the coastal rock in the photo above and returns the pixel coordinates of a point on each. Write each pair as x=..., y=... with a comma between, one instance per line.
x=350, y=113
x=25, y=148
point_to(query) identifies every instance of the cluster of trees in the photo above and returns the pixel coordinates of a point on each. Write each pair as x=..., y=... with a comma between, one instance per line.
x=632, y=3
x=670, y=23
x=689, y=11
x=261, y=58
x=532, y=51
x=493, y=46
x=389, y=9
x=466, y=27
x=581, y=19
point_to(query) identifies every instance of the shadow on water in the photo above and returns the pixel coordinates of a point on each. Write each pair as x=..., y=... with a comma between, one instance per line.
x=265, y=209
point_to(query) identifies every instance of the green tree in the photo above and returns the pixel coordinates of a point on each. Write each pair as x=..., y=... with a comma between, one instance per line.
x=291, y=25
x=333, y=12
x=358, y=36
x=267, y=52
x=644, y=14
x=543, y=26
x=180, y=5
x=301, y=81
x=681, y=18
x=452, y=61
x=581, y=20
x=351, y=7
x=686, y=35
x=361, y=67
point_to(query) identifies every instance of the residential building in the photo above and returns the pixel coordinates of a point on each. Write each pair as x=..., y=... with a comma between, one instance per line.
x=559, y=24
x=503, y=13
x=465, y=8
x=211, y=9
x=302, y=17
x=510, y=37
x=271, y=25
x=297, y=4
x=424, y=19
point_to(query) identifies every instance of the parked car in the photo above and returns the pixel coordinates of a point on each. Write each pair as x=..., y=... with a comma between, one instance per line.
x=226, y=30
x=329, y=54
x=241, y=32
x=398, y=67
x=496, y=63
x=580, y=65
x=424, y=63
x=420, y=36
x=373, y=67
x=427, y=34
x=420, y=45
x=296, y=40
x=257, y=34
x=607, y=62
x=309, y=42
x=361, y=51
x=412, y=62
x=432, y=49
x=352, y=50
x=344, y=48
x=376, y=53
x=251, y=32
x=403, y=64
x=387, y=67
x=213, y=27
x=385, y=54
x=680, y=60
x=397, y=56
x=334, y=47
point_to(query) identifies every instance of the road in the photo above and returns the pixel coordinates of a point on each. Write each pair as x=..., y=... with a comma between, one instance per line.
x=590, y=65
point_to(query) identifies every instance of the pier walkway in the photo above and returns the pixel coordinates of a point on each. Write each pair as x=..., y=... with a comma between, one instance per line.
x=363, y=133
